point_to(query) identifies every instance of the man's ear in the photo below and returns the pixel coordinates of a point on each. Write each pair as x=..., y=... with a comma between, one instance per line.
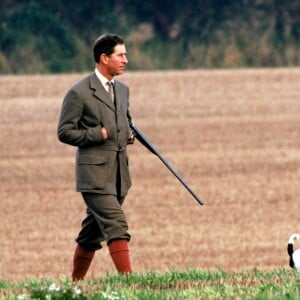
x=104, y=58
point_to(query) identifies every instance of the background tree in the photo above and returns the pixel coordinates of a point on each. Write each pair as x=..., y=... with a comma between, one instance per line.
x=56, y=36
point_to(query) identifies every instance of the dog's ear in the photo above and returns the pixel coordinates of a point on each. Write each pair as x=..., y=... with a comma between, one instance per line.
x=290, y=249
x=291, y=263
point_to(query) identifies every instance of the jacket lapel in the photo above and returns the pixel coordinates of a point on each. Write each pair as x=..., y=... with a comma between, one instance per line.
x=118, y=95
x=99, y=91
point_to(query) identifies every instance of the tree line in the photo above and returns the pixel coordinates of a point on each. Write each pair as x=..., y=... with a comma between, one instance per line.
x=55, y=36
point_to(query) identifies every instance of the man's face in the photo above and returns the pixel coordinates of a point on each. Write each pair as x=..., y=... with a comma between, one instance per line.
x=117, y=61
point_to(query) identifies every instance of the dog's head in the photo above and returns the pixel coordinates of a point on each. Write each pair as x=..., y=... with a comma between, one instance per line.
x=294, y=255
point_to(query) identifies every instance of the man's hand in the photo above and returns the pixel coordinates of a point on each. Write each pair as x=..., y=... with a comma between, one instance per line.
x=104, y=133
x=130, y=140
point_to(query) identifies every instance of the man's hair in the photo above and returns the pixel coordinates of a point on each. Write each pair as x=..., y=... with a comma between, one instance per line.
x=105, y=44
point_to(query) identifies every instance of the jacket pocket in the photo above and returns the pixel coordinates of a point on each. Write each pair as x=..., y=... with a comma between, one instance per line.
x=92, y=172
x=91, y=160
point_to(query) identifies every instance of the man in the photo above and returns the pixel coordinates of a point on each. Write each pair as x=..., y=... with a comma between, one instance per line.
x=95, y=118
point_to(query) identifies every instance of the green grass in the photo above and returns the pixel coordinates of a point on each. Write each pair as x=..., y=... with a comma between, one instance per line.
x=189, y=284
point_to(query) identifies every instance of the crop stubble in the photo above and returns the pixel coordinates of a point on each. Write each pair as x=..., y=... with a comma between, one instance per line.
x=234, y=135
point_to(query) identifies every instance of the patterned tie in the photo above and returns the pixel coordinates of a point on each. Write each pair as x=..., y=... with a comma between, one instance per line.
x=111, y=90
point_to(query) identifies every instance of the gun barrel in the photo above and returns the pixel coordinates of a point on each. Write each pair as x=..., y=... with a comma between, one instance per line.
x=144, y=141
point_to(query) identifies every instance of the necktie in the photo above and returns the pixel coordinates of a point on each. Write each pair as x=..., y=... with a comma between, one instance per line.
x=110, y=90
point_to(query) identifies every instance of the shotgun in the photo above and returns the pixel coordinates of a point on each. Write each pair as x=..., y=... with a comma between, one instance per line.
x=144, y=141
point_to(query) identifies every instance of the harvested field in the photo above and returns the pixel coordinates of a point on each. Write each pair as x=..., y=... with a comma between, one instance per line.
x=233, y=135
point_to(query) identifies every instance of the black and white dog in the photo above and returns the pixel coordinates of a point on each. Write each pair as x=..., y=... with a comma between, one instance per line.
x=294, y=255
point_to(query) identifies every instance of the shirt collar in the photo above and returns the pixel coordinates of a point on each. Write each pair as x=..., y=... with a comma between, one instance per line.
x=102, y=78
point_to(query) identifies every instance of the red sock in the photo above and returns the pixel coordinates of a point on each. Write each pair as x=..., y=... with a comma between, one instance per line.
x=119, y=252
x=81, y=262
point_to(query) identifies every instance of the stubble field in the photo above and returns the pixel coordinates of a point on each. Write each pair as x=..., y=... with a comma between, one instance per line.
x=233, y=135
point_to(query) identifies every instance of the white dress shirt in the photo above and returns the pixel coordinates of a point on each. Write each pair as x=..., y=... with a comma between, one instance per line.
x=103, y=79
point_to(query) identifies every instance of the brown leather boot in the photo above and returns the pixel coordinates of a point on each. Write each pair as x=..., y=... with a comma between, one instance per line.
x=119, y=252
x=81, y=262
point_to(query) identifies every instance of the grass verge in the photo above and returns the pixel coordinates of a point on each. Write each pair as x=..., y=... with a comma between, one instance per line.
x=189, y=284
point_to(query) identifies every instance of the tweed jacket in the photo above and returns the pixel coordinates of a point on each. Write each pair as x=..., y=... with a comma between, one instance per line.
x=86, y=108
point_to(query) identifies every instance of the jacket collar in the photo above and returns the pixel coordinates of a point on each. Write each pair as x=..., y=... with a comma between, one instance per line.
x=100, y=92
